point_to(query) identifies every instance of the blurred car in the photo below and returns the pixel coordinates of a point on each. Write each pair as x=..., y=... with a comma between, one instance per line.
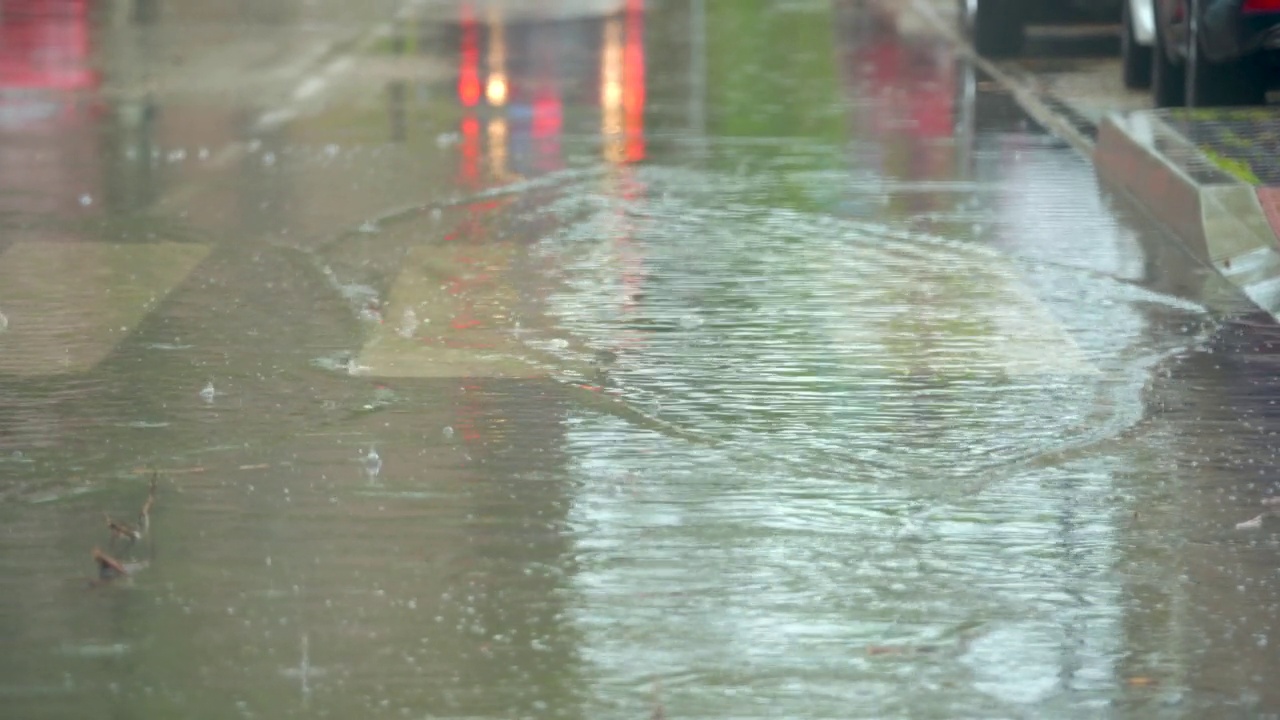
x=997, y=27
x=1215, y=52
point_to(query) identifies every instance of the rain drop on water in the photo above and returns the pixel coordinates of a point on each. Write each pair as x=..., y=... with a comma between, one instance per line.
x=208, y=393
x=372, y=463
x=408, y=324
x=86, y=200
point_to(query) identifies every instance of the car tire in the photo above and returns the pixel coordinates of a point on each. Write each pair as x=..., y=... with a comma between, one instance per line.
x=1238, y=82
x=1168, y=79
x=1135, y=59
x=997, y=28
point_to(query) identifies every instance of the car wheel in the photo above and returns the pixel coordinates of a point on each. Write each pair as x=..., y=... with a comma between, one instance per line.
x=996, y=27
x=1237, y=82
x=1168, y=79
x=1135, y=59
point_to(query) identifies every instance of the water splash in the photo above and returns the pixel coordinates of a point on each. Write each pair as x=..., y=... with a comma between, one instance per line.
x=371, y=462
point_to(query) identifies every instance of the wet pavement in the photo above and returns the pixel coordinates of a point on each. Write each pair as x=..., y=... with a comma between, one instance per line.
x=612, y=360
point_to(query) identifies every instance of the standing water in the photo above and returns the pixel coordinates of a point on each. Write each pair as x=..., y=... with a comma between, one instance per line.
x=610, y=361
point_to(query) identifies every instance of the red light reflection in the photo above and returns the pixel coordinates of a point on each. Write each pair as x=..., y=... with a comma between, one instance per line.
x=469, y=67
x=633, y=81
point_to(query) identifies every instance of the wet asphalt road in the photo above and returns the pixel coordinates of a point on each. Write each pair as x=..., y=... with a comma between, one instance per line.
x=614, y=359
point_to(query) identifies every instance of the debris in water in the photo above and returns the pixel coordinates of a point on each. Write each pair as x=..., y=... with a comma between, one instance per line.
x=109, y=568
x=124, y=530
x=1141, y=681
x=119, y=530
x=144, y=517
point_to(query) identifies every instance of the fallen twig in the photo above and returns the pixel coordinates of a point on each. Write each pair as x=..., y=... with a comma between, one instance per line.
x=109, y=568
x=144, y=517
x=119, y=529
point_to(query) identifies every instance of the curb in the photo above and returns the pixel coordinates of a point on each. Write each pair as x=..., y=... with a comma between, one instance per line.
x=1224, y=222
x=1220, y=219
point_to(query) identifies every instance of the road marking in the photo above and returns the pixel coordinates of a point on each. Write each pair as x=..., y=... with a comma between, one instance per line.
x=71, y=303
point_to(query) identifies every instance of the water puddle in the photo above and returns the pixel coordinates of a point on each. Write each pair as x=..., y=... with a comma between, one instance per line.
x=677, y=360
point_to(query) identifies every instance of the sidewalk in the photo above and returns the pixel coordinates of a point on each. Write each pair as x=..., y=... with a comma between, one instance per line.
x=1212, y=178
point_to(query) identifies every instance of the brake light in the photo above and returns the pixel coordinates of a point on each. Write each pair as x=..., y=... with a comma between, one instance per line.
x=1260, y=6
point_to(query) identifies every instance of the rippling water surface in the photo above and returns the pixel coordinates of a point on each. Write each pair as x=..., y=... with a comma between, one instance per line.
x=798, y=377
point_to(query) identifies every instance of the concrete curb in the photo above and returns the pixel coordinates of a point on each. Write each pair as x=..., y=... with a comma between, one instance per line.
x=1220, y=219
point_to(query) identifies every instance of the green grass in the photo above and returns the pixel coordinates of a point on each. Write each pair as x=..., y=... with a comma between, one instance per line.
x=1237, y=168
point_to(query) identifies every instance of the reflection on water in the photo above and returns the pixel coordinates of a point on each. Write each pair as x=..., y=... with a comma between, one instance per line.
x=735, y=359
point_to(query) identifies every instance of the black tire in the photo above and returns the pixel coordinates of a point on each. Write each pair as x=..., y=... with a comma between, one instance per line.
x=1238, y=82
x=997, y=28
x=1135, y=59
x=1168, y=79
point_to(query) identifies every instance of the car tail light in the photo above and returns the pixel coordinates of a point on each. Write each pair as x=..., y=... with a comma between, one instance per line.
x=1260, y=6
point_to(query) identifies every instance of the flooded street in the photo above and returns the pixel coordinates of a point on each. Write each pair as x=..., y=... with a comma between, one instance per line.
x=614, y=360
